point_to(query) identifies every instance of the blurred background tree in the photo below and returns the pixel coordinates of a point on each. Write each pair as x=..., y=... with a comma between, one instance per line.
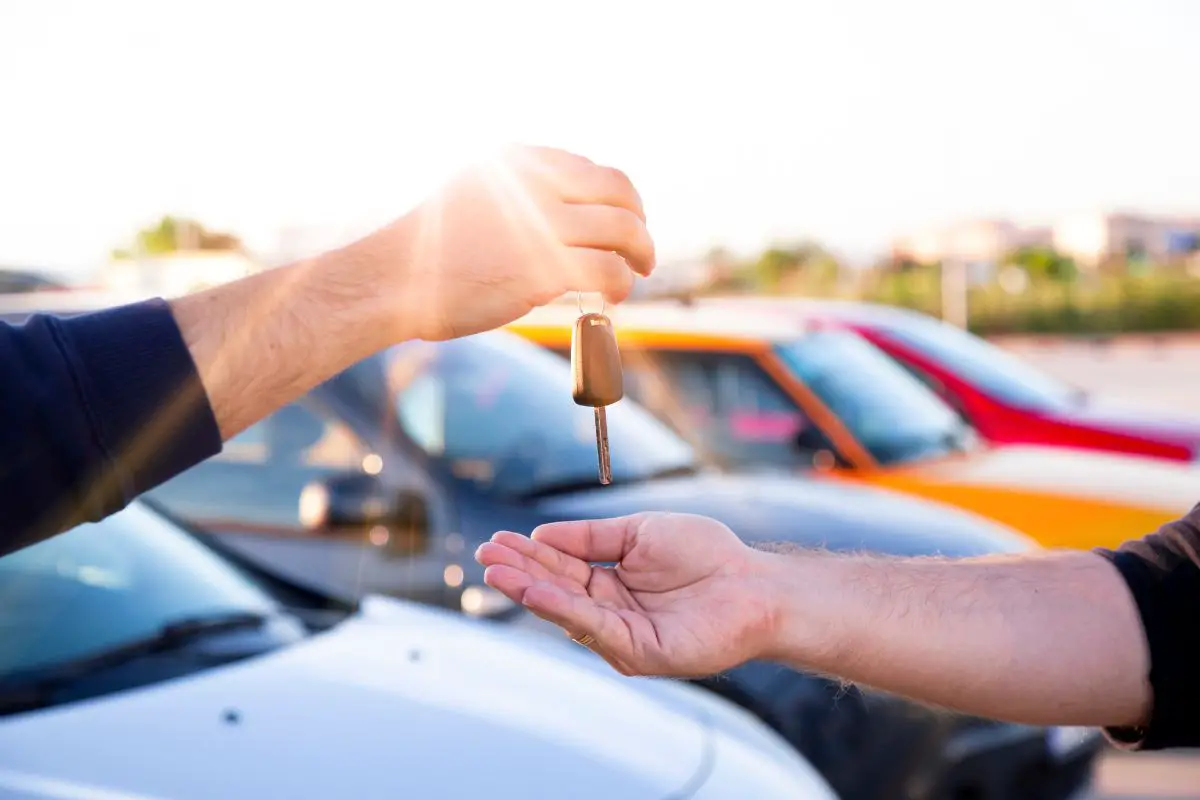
x=178, y=234
x=805, y=266
x=1043, y=263
x=1053, y=295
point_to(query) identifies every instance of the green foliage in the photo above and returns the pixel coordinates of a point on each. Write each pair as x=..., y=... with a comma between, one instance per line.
x=1059, y=298
x=773, y=266
x=1152, y=302
x=778, y=269
x=174, y=234
x=1043, y=262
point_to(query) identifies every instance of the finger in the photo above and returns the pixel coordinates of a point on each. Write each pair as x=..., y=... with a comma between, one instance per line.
x=579, y=615
x=551, y=561
x=576, y=179
x=598, y=271
x=607, y=186
x=510, y=582
x=491, y=554
x=605, y=228
x=590, y=540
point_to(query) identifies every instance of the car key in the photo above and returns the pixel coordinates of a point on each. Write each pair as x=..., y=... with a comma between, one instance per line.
x=596, y=367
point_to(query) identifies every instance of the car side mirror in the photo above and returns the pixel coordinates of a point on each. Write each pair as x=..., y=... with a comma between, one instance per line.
x=356, y=502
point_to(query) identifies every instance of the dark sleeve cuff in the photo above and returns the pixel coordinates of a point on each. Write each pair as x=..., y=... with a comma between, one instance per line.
x=142, y=394
x=1163, y=575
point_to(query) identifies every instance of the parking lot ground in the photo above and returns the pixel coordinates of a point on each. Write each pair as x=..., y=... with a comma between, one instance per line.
x=1163, y=375
x=1156, y=374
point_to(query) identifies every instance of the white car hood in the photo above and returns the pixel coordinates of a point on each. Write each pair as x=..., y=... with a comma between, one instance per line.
x=398, y=701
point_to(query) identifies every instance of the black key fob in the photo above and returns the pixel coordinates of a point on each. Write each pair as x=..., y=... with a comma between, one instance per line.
x=595, y=362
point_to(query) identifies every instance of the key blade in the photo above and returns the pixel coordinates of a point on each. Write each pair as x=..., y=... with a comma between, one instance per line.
x=602, y=445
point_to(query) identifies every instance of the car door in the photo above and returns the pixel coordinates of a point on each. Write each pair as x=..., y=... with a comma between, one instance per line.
x=250, y=496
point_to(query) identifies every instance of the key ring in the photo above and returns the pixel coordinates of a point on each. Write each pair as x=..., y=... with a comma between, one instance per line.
x=579, y=303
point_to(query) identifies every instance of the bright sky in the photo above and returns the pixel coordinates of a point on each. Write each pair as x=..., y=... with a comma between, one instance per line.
x=739, y=121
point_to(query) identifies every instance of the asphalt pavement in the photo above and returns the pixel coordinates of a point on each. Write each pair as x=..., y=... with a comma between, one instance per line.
x=1164, y=375
x=1156, y=374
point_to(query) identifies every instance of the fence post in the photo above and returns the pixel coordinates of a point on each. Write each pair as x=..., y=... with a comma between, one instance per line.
x=954, y=292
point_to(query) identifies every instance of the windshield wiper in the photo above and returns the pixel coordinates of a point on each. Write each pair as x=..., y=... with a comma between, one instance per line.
x=35, y=687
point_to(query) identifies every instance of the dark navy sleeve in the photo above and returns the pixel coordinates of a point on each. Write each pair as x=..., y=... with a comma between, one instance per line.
x=1163, y=573
x=94, y=410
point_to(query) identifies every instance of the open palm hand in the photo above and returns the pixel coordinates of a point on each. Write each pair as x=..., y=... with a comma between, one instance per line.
x=681, y=599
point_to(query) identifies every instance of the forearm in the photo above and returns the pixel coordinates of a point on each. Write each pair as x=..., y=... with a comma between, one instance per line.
x=261, y=342
x=101, y=407
x=1050, y=638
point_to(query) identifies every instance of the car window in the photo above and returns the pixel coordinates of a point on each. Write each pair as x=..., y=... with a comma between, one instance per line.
x=496, y=410
x=980, y=363
x=726, y=399
x=891, y=413
x=257, y=479
x=105, y=583
x=936, y=386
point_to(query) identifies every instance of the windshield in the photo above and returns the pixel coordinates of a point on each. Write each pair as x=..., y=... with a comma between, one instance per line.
x=891, y=414
x=497, y=410
x=104, y=584
x=982, y=364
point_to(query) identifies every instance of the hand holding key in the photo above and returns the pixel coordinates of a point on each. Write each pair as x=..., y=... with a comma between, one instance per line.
x=505, y=236
x=598, y=382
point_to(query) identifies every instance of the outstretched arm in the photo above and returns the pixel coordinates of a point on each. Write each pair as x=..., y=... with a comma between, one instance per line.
x=1051, y=638
x=1104, y=639
x=98, y=408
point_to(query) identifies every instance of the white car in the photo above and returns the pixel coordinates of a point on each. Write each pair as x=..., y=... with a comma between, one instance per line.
x=137, y=663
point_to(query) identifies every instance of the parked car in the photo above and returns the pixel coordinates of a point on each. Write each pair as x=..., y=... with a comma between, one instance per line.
x=387, y=477
x=139, y=663
x=16, y=281
x=1004, y=397
x=774, y=389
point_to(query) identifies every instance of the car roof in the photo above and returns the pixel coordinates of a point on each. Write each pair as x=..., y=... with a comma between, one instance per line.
x=814, y=309
x=680, y=318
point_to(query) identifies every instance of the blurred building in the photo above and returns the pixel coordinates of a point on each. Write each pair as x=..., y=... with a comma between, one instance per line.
x=971, y=241
x=1089, y=238
x=174, y=274
x=679, y=276
x=1092, y=239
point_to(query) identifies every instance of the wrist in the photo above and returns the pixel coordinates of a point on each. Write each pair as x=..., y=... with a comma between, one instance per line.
x=368, y=281
x=799, y=613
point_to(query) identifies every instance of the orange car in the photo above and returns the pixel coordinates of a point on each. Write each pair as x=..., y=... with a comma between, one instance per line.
x=770, y=390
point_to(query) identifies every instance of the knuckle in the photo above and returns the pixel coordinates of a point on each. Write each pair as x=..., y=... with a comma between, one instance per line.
x=619, y=182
